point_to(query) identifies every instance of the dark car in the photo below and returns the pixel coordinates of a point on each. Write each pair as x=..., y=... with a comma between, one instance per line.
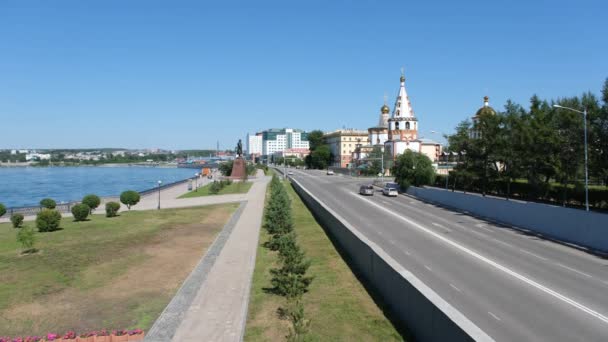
x=366, y=189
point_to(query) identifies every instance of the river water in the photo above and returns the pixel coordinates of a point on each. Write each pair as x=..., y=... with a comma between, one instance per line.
x=26, y=186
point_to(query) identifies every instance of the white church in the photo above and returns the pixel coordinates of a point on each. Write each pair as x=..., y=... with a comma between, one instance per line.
x=399, y=132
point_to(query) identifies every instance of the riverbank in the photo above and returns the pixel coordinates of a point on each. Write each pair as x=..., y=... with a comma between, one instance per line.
x=26, y=186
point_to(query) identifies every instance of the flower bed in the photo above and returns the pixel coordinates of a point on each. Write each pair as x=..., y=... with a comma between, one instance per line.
x=92, y=336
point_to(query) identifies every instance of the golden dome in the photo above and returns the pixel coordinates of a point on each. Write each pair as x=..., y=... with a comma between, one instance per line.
x=385, y=109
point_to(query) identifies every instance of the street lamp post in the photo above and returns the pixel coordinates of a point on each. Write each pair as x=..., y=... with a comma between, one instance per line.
x=584, y=112
x=159, y=183
x=447, y=171
x=196, y=180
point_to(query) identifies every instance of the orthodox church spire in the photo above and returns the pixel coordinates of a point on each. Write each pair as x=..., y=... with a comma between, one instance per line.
x=403, y=107
x=383, y=122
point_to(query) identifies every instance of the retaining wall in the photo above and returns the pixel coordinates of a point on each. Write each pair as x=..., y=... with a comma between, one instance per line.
x=426, y=315
x=586, y=229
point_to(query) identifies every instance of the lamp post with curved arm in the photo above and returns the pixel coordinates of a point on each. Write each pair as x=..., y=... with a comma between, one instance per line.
x=584, y=112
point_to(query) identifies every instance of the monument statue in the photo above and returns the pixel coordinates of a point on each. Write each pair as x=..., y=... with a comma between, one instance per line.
x=239, y=168
x=239, y=149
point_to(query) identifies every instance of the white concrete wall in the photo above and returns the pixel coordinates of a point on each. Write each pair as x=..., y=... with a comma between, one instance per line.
x=586, y=229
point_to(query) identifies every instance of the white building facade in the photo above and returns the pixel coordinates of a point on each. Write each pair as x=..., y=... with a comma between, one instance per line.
x=254, y=144
x=275, y=140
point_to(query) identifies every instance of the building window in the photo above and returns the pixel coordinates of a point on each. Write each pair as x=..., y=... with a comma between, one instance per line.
x=397, y=125
x=407, y=125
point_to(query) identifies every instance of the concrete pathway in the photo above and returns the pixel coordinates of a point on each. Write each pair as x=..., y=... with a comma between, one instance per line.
x=219, y=309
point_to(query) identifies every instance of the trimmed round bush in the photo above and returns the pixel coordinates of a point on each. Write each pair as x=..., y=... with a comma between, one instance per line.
x=112, y=209
x=2, y=209
x=80, y=212
x=48, y=203
x=48, y=220
x=17, y=220
x=92, y=201
x=129, y=198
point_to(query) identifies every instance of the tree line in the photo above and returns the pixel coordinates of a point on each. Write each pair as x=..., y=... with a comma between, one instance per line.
x=534, y=153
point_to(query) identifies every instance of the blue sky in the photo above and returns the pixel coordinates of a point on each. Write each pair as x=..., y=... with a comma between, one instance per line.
x=184, y=74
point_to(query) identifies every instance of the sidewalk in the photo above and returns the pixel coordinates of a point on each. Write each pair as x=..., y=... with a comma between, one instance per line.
x=219, y=309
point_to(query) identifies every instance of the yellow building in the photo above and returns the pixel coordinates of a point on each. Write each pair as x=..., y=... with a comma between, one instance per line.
x=343, y=142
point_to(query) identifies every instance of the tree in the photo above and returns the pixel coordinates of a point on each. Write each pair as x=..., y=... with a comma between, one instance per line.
x=17, y=220
x=315, y=139
x=2, y=209
x=112, y=209
x=413, y=168
x=321, y=157
x=47, y=220
x=226, y=168
x=48, y=203
x=80, y=212
x=129, y=198
x=26, y=238
x=92, y=201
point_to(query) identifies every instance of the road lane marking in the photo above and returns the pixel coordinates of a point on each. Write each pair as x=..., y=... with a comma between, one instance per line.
x=428, y=268
x=574, y=270
x=408, y=253
x=385, y=202
x=533, y=254
x=495, y=317
x=437, y=225
x=412, y=202
x=496, y=265
x=455, y=288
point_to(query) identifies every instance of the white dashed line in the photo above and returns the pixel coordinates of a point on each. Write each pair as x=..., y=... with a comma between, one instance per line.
x=455, y=288
x=494, y=264
x=493, y=315
x=437, y=225
x=533, y=254
x=428, y=268
x=574, y=270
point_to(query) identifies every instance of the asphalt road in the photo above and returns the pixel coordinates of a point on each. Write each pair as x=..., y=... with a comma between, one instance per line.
x=513, y=286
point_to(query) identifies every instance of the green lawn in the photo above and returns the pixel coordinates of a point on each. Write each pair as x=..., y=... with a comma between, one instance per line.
x=234, y=188
x=108, y=273
x=338, y=305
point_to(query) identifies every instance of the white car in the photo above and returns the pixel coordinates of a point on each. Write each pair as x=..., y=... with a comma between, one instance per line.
x=330, y=172
x=390, y=189
x=290, y=173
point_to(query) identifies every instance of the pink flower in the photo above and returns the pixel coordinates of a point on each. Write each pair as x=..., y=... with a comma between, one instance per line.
x=119, y=332
x=135, y=332
x=70, y=335
x=51, y=337
x=102, y=333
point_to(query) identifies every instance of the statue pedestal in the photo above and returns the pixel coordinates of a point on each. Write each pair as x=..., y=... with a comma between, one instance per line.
x=239, y=169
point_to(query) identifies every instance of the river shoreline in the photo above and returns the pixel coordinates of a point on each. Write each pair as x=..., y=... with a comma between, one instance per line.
x=26, y=186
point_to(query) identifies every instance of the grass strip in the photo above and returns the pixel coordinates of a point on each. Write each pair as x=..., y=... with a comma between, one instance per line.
x=339, y=307
x=111, y=273
x=234, y=188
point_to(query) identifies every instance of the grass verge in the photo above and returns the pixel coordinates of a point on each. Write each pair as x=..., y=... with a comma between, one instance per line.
x=108, y=273
x=234, y=188
x=339, y=307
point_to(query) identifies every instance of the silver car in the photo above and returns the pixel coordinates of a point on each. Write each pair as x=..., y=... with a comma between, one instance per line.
x=366, y=189
x=391, y=189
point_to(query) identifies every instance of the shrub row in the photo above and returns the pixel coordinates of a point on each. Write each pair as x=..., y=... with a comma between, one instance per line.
x=133, y=335
x=289, y=279
x=546, y=192
x=216, y=187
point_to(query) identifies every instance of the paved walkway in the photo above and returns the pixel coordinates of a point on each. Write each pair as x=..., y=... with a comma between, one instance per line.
x=219, y=309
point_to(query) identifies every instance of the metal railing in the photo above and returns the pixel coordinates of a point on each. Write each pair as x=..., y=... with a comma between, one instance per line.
x=66, y=207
